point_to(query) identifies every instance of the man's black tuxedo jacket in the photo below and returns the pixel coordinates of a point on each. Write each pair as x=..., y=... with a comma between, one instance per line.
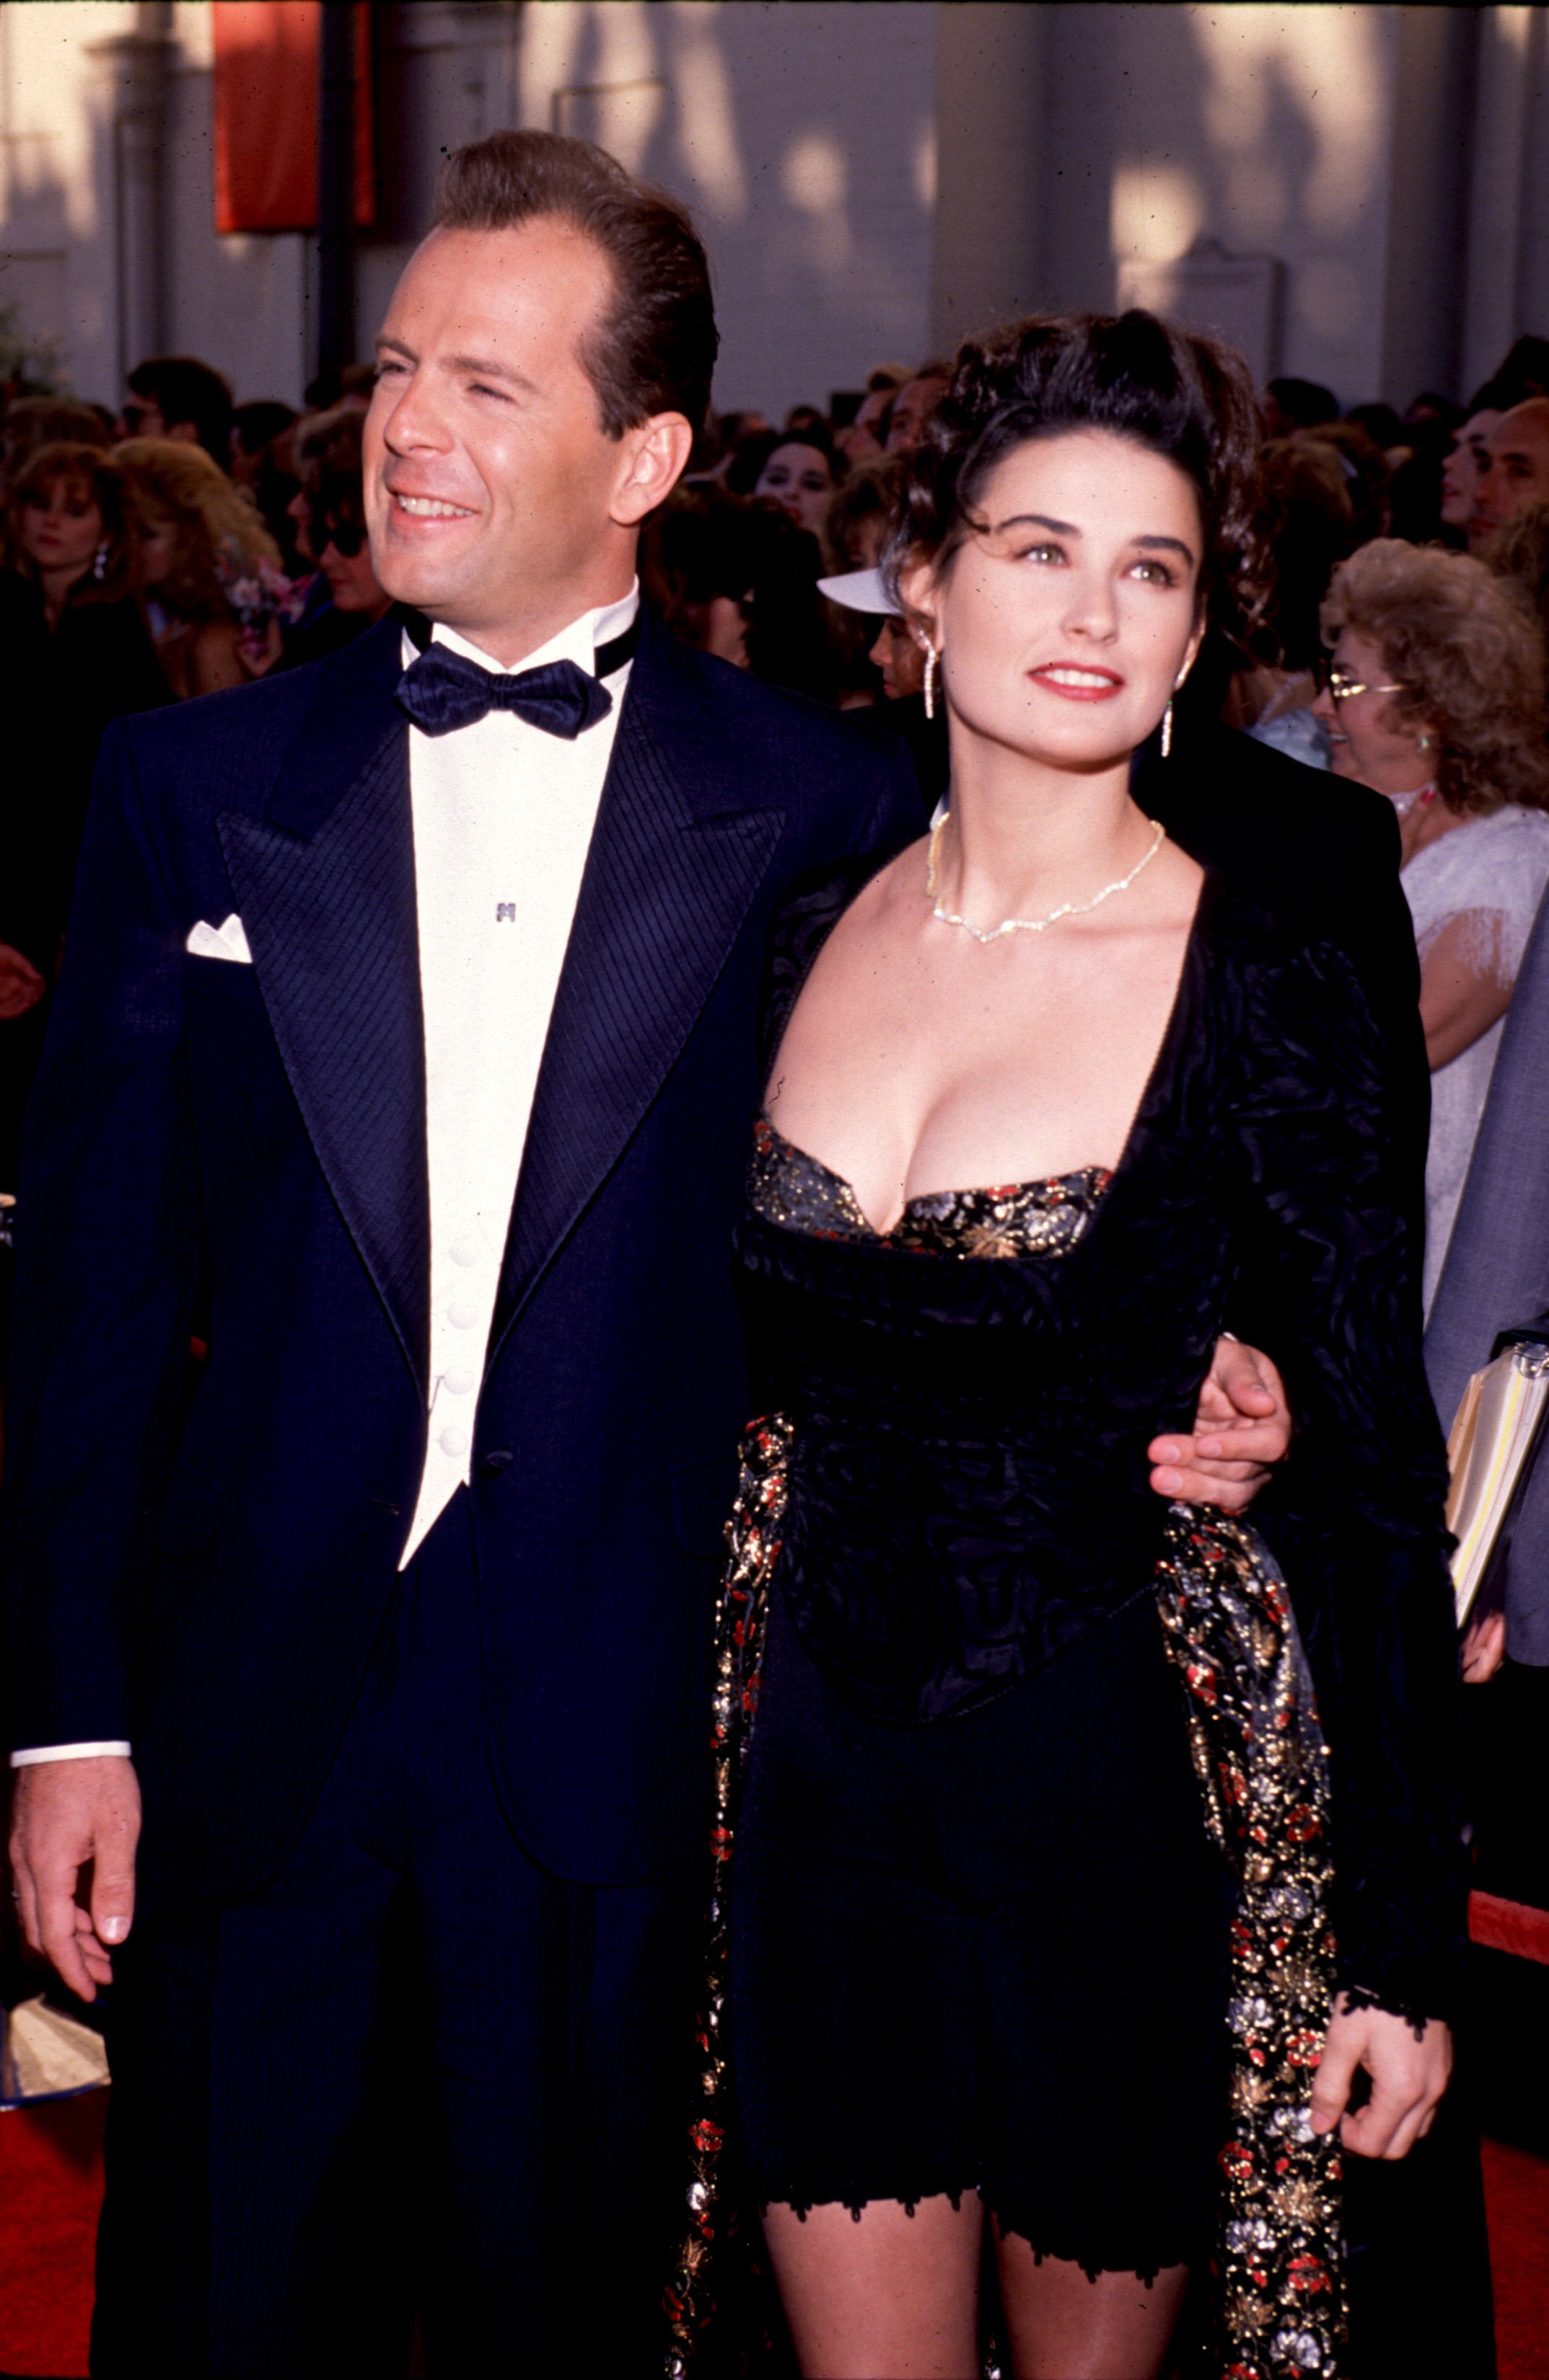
x=245, y=1146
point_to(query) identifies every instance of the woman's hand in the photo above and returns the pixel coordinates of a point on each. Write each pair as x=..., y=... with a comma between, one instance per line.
x=1243, y=1427
x=1483, y=1648
x=1408, y=2079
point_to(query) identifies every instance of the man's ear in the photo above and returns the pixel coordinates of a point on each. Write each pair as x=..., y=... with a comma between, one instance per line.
x=653, y=458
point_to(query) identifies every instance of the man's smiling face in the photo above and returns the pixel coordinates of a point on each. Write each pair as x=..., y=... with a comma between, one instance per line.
x=489, y=477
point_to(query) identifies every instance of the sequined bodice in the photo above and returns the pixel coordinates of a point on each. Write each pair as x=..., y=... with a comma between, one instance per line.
x=799, y=1192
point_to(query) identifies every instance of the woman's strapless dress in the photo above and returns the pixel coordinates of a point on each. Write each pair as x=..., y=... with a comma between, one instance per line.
x=988, y=1953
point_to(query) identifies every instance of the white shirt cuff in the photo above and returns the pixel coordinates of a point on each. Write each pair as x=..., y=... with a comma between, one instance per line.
x=69, y=1751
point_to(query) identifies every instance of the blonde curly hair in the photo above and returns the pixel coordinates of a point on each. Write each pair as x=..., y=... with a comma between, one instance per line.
x=180, y=483
x=1466, y=652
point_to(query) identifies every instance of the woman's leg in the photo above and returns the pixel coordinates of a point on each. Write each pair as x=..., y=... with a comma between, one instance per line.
x=1062, y=2326
x=895, y=2294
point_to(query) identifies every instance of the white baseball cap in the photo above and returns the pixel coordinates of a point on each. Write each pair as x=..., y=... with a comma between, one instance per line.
x=861, y=590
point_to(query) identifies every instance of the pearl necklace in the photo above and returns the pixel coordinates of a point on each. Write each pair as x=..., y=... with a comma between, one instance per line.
x=1032, y=925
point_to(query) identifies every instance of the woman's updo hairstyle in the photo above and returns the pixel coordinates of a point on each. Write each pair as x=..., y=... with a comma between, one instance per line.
x=1179, y=395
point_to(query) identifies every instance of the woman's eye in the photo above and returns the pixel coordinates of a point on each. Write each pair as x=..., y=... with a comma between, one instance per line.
x=1156, y=572
x=1045, y=552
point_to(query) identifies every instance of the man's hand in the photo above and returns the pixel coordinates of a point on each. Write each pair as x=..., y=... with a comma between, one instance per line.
x=74, y=1826
x=1408, y=2079
x=1242, y=1429
x=21, y=987
x=1483, y=1648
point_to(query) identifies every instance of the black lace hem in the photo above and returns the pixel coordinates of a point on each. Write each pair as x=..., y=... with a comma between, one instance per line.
x=1049, y=2241
x=1361, y=1996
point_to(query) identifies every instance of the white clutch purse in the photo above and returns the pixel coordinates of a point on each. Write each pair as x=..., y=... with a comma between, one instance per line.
x=1490, y=1453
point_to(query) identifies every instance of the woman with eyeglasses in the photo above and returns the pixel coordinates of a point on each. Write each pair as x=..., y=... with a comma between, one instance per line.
x=330, y=514
x=1434, y=696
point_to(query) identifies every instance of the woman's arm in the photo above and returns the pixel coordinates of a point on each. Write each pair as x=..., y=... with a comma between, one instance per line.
x=1464, y=985
x=1327, y=1279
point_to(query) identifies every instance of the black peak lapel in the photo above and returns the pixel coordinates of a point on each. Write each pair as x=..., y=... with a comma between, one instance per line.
x=325, y=888
x=674, y=864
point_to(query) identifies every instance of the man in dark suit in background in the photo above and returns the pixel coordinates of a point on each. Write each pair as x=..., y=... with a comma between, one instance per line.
x=406, y=1044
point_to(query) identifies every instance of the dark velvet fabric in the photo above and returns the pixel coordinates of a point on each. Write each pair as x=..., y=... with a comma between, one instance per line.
x=970, y=1491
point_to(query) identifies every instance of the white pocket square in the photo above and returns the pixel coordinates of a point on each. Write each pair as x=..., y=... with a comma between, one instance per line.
x=227, y=941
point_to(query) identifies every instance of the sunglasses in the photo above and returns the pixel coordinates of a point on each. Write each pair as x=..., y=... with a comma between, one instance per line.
x=1338, y=683
x=346, y=537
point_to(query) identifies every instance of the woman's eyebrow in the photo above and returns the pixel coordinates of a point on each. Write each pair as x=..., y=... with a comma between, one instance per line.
x=1169, y=545
x=1036, y=520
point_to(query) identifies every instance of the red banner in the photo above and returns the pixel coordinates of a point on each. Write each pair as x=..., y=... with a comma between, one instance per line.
x=1513, y=1926
x=266, y=115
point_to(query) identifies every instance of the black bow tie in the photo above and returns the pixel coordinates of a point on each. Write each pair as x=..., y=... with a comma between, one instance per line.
x=441, y=690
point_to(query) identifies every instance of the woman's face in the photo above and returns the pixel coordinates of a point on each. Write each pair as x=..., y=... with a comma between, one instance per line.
x=1066, y=621
x=61, y=529
x=798, y=477
x=901, y=658
x=350, y=576
x=1367, y=741
x=157, y=540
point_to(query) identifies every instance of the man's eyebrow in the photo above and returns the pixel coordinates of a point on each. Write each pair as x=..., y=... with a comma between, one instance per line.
x=479, y=367
x=485, y=367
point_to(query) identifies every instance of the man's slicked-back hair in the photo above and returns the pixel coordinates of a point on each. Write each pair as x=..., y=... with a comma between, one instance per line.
x=654, y=351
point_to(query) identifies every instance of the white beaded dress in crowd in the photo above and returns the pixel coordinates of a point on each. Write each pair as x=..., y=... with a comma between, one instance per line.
x=1492, y=870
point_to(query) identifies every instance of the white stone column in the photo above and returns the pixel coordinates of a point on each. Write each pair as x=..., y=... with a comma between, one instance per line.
x=133, y=70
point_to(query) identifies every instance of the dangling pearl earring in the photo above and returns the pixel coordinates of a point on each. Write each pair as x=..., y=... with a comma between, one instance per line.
x=1166, y=715
x=930, y=681
x=1423, y=743
x=98, y=561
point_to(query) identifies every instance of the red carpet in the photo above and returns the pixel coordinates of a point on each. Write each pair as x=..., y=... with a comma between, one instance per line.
x=1516, y=2196
x=51, y=2182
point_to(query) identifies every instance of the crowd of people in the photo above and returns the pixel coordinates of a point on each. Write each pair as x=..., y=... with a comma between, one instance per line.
x=1361, y=593
x=189, y=543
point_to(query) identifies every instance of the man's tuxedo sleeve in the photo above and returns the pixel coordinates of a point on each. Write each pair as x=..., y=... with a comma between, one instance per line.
x=106, y=1267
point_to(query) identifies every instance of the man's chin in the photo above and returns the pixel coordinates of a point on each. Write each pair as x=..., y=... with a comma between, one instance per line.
x=412, y=582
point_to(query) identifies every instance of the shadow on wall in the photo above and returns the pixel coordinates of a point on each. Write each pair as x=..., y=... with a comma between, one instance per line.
x=801, y=137
x=1262, y=130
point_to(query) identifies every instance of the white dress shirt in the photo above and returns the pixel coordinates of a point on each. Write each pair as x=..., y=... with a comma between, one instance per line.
x=502, y=819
